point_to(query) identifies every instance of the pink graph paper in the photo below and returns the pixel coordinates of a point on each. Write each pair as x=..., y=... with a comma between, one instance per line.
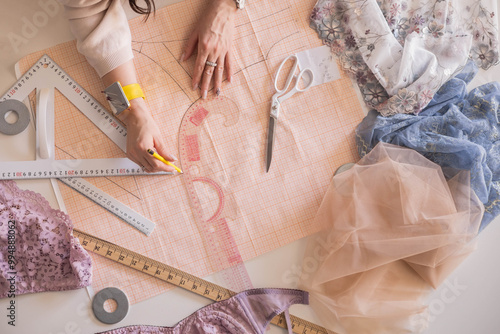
x=264, y=211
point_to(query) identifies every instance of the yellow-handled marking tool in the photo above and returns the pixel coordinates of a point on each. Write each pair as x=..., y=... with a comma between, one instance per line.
x=162, y=159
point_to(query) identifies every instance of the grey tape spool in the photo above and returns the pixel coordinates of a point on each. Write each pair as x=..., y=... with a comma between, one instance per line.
x=344, y=167
x=121, y=305
x=22, y=113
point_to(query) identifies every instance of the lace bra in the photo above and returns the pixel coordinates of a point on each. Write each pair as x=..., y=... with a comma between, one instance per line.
x=37, y=249
x=247, y=312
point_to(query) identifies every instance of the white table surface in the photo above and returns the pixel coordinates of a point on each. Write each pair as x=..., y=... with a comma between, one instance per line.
x=467, y=302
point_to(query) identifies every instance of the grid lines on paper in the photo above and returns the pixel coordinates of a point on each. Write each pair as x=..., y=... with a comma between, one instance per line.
x=315, y=135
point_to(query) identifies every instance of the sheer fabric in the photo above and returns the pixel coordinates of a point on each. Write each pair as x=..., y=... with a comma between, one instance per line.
x=392, y=228
x=458, y=129
x=401, y=52
x=37, y=249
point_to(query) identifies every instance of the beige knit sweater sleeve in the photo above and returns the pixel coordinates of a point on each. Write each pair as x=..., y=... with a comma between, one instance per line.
x=102, y=32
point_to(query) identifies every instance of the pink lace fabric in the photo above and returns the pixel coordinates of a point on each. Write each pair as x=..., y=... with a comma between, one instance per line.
x=37, y=249
x=248, y=312
x=392, y=229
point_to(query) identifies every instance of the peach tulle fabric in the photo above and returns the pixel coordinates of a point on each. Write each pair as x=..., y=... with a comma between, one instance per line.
x=392, y=228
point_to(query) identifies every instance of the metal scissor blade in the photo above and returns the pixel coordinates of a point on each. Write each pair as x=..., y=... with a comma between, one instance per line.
x=270, y=142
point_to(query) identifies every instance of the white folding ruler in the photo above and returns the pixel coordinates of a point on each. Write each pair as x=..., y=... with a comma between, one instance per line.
x=44, y=76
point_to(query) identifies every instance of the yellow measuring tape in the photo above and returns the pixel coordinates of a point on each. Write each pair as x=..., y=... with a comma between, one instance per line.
x=179, y=278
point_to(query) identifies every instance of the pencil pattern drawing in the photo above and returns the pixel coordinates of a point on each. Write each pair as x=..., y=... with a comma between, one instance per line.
x=262, y=211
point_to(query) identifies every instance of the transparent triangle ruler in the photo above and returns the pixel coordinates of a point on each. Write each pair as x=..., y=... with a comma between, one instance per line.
x=44, y=77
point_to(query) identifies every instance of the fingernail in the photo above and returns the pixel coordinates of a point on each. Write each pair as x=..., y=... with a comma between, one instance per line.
x=229, y=79
x=182, y=57
x=195, y=86
x=217, y=91
x=172, y=157
x=204, y=95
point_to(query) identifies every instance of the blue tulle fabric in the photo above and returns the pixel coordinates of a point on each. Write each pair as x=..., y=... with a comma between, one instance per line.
x=457, y=129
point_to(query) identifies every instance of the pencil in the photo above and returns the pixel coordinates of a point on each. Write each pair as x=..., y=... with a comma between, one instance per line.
x=162, y=159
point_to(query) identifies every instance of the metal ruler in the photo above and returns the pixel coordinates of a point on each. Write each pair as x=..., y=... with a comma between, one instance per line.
x=203, y=172
x=179, y=278
x=46, y=73
x=43, y=169
x=117, y=208
x=44, y=76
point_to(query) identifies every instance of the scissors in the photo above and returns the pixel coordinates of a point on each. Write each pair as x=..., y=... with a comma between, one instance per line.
x=279, y=97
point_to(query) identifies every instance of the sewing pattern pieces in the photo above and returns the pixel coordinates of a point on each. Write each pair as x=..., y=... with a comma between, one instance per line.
x=262, y=211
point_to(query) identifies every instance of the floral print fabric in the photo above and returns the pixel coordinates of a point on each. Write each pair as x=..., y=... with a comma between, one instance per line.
x=401, y=52
x=37, y=249
x=457, y=130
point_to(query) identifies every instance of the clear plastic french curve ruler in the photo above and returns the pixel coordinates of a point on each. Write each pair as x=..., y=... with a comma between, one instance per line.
x=44, y=76
x=211, y=200
x=179, y=278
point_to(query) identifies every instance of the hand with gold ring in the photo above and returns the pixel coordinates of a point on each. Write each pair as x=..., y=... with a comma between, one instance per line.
x=213, y=36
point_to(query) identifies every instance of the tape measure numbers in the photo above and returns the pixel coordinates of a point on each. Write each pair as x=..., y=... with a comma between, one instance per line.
x=179, y=278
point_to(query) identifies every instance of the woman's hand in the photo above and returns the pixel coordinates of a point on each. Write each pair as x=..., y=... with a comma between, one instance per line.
x=213, y=35
x=143, y=134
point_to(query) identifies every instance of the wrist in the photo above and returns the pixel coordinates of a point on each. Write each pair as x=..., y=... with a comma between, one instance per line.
x=228, y=5
x=119, y=97
x=136, y=113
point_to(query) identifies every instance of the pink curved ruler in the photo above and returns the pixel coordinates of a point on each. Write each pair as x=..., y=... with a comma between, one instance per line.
x=212, y=203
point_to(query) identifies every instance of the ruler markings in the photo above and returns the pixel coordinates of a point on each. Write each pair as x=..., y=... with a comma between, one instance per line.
x=220, y=245
x=179, y=278
x=45, y=73
x=46, y=168
x=109, y=203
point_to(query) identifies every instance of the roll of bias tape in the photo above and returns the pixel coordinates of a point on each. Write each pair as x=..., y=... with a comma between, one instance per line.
x=22, y=121
x=122, y=305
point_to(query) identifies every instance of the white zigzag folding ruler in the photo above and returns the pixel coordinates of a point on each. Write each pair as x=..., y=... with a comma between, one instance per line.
x=44, y=76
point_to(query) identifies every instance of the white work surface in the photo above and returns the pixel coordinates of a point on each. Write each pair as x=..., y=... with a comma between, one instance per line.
x=467, y=302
